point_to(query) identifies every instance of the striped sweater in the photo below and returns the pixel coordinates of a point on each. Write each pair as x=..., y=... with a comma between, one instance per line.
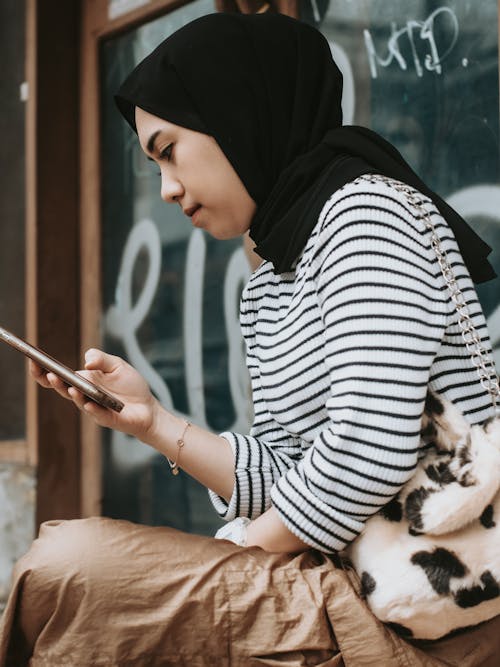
x=341, y=352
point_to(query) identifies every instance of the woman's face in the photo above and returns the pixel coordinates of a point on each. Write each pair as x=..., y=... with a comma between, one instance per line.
x=196, y=174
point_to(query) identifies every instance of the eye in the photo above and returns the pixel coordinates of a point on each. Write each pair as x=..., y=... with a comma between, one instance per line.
x=166, y=153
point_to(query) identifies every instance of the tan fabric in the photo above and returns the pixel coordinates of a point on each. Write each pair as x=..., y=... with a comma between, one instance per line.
x=104, y=593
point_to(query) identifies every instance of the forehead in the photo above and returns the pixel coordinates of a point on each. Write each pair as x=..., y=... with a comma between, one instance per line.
x=148, y=125
x=144, y=118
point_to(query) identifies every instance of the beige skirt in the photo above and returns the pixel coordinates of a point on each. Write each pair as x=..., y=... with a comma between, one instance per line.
x=105, y=593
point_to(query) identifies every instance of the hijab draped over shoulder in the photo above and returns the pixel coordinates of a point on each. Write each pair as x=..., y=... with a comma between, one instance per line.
x=266, y=88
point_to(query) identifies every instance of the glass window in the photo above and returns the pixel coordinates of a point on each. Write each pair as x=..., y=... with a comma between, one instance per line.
x=170, y=306
x=12, y=210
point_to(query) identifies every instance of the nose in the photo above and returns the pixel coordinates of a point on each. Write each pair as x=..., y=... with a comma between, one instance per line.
x=171, y=188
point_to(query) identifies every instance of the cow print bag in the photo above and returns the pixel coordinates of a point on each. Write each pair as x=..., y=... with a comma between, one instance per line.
x=429, y=562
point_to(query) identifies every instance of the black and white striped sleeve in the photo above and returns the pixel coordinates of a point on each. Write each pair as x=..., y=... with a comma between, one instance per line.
x=262, y=457
x=383, y=314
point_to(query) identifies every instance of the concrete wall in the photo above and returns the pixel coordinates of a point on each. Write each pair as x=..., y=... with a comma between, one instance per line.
x=17, y=519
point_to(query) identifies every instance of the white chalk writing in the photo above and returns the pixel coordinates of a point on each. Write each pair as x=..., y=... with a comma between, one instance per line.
x=415, y=30
x=124, y=318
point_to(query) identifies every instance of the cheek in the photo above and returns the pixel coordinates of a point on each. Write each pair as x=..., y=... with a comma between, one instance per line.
x=220, y=187
x=229, y=221
x=248, y=207
x=248, y=211
x=242, y=217
x=238, y=198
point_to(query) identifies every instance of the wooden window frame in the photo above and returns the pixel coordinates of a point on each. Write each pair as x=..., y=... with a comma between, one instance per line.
x=62, y=248
x=96, y=27
x=52, y=444
x=63, y=224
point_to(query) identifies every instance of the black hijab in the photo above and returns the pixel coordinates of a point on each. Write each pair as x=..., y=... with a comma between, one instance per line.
x=266, y=88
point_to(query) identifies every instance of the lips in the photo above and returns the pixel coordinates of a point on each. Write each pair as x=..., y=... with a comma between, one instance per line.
x=191, y=210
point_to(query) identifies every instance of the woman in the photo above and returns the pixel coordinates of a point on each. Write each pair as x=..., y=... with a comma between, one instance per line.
x=347, y=322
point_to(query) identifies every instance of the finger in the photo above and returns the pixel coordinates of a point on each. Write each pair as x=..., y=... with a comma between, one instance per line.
x=86, y=375
x=38, y=373
x=56, y=383
x=35, y=369
x=77, y=397
x=99, y=360
x=101, y=415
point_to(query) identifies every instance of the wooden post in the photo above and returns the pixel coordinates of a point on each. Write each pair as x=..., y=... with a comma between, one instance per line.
x=53, y=245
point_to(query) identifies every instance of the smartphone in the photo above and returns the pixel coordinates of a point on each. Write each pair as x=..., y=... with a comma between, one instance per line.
x=71, y=378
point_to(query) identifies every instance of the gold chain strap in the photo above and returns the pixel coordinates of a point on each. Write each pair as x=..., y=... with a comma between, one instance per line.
x=481, y=360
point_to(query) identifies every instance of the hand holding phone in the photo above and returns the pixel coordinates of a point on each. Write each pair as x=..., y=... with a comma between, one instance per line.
x=89, y=389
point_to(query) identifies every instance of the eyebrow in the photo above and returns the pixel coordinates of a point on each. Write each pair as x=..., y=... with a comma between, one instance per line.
x=151, y=141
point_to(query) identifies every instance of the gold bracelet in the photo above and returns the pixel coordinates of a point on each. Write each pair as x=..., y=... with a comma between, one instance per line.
x=174, y=465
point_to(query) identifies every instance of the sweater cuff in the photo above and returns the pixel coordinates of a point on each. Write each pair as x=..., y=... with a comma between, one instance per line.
x=253, y=480
x=225, y=510
x=309, y=518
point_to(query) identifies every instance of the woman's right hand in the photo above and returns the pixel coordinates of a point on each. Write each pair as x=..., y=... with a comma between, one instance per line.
x=116, y=377
x=208, y=457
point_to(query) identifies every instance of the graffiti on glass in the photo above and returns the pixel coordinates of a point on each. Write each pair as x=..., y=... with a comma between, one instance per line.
x=412, y=33
x=124, y=318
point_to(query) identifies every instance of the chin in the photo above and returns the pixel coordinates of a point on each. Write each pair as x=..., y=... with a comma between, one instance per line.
x=227, y=231
x=224, y=234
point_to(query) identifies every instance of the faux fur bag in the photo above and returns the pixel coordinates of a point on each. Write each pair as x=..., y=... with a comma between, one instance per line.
x=430, y=561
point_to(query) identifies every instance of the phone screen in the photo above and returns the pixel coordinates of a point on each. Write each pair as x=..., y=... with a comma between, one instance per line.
x=71, y=378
